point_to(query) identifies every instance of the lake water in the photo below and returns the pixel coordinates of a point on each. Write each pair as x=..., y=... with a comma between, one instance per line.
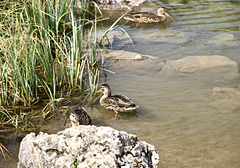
x=177, y=114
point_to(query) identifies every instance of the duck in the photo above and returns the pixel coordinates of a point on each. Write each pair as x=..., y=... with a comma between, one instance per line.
x=148, y=17
x=117, y=103
x=78, y=117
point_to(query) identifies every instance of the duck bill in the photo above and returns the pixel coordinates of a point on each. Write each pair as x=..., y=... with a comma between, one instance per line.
x=99, y=91
x=76, y=123
x=168, y=15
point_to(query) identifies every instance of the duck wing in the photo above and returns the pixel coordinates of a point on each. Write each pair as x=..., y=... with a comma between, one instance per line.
x=119, y=103
x=146, y=17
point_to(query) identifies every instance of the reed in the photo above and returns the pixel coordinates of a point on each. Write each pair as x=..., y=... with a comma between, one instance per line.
x=42, y=44
x=46, y=48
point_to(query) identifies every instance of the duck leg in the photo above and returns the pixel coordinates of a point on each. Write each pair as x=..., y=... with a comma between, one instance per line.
x=116, y=115
x=137, y=24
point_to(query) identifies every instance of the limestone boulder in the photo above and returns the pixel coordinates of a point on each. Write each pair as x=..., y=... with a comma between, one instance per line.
x=85, y=147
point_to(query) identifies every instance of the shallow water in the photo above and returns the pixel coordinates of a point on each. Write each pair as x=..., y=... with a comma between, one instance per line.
x=177, y=114
x=198, y=28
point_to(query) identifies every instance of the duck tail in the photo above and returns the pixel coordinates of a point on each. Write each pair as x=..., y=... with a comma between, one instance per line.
x=128, y=18
x=131, y=108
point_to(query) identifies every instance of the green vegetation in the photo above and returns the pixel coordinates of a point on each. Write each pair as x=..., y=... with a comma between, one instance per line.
x=48, y=50
x=42, y=50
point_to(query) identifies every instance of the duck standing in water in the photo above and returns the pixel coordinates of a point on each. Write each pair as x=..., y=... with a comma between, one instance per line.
x=117, y=103
x=148, y=17
x=78, y=117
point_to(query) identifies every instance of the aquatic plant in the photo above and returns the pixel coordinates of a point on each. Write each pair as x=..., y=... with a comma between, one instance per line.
x=45, y=48
x=48, y=50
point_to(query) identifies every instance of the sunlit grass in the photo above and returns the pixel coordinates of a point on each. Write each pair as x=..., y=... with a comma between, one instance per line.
x=48, y=50
x=41, y=51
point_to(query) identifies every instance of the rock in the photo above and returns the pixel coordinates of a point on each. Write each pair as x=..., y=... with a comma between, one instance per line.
x=225, y=39
x=119, y=4
x=86, y=146
x=126, y=55
x=132, y=62
x=114, y=40
x=170, y=37
x=224, y=93
x=225, y=98
x=195, y=64
x=116, y=4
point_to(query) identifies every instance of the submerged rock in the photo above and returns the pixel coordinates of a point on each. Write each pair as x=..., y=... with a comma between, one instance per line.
x=225, y=93
x=86, y=146
x=133, y=62
x=225, y=39
x=226, y=98
x=126, y=55
x=215, y=64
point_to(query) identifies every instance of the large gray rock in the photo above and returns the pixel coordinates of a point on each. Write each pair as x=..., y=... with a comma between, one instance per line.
x=86, y=146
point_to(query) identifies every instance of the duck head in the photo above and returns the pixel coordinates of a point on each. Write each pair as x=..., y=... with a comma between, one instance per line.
x=163, y=11
x=105, y=89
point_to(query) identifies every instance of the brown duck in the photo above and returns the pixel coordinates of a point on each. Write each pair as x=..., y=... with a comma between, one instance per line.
x=117, y=103
x=148, y=17
x=78, y=117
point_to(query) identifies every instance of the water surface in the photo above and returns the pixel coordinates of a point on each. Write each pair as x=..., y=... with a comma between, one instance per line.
x=177, y=114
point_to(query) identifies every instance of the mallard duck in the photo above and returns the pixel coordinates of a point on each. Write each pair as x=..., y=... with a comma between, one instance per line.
x=78, y=117
x=117, y=103
x=147, y=17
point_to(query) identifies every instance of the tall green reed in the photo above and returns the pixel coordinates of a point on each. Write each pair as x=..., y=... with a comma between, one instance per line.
x=45, y=47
